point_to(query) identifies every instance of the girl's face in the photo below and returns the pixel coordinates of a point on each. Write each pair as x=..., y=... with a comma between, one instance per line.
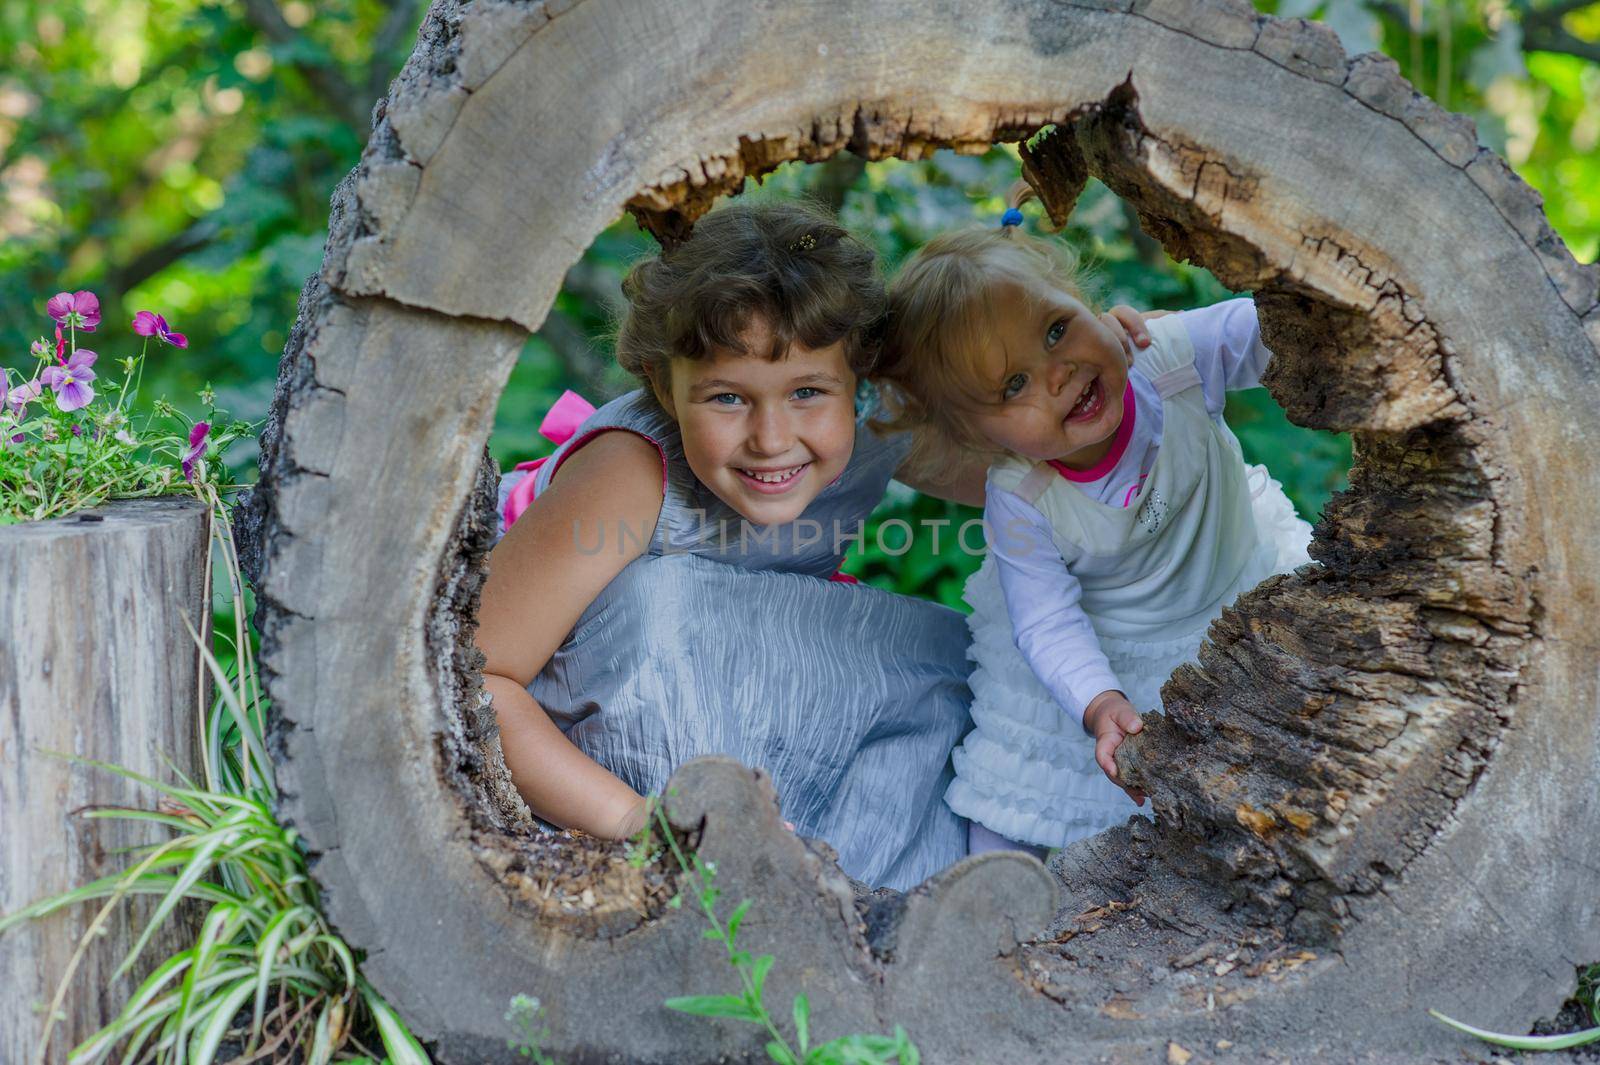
x=765, y=436
x=1056, y=374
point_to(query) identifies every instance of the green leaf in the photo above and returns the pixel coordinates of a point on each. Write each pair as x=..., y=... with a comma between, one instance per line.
x=398, y=1042
x=1523, y=1042
x=733, y=1007
x=736, y=918
x=802, y=1021
x=267, y=950
x=322, y=1041
x=207, y=1037
x=758, y=971
x=909, y=1055
x=780, y=1054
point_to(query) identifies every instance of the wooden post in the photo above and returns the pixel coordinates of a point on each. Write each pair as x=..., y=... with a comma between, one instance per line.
x=95, y=661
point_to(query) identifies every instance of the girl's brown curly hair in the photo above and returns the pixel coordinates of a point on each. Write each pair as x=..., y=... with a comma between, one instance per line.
x=788, y=264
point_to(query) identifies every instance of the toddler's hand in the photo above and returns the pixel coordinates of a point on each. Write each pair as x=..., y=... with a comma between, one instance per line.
x=1110, y=718
x=1128, y=325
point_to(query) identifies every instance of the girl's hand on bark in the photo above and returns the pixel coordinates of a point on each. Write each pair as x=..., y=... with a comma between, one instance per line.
x=1110, y=719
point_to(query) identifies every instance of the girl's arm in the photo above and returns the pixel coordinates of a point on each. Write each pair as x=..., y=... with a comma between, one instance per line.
x=1052, y=631
x=539, y=584
x=963, y=485
x=1054, y=634
x=1228, y=352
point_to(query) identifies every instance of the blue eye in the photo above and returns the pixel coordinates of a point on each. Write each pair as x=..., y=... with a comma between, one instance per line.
x=808, y=392
x=1056, y=332
x=720, y=396
x=1014, y=384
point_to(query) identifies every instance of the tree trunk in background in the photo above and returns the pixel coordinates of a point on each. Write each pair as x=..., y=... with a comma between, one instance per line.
x=1373, y=793
x=95, y=662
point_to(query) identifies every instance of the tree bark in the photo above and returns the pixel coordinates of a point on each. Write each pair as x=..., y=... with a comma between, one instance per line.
x=1372, y=791
x=95, y=663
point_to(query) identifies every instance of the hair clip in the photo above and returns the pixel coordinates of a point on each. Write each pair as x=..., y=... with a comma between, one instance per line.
x=805, y=243
x=1012, y=217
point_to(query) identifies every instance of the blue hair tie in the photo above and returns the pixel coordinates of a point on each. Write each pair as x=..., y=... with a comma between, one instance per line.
x=1012, y=217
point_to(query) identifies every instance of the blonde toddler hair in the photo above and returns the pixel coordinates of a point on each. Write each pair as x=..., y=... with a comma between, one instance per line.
x=940, y=312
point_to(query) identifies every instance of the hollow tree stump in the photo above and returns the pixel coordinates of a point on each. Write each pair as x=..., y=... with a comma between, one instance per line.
x=95, y=662
x=1372, y=792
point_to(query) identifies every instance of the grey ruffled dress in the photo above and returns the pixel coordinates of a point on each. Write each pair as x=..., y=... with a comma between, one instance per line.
x=728, y=638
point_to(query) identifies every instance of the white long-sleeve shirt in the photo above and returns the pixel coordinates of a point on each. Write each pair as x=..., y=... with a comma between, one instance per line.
x=1051, y=630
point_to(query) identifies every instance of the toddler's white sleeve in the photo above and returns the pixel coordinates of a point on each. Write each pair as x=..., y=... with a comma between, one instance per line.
x=1051, y=630
x=1228, y=352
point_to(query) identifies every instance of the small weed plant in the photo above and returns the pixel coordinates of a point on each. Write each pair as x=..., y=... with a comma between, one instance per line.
x=525, y=1015
x=748, y=1003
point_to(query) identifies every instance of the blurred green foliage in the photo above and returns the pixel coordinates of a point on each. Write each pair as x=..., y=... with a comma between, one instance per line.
x=178, y=155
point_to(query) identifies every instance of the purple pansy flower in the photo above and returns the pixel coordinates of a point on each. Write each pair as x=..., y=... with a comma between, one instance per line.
x=151, y=324
x=70, y=382
x=40, y=348
x=22, y=395
x=80, y=310
x=197, y=447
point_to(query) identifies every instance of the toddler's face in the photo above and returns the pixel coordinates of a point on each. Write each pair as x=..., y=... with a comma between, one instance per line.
x=1058, y=374
x=765, y=436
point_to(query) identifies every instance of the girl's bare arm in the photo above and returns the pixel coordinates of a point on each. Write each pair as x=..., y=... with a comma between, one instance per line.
x=961, y=485
x=539, y=584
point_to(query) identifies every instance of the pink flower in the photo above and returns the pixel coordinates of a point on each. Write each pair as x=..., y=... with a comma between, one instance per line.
x=197, y=448
x=81, y=310
x=151, y=324
x=70, y=382
x=40, y=348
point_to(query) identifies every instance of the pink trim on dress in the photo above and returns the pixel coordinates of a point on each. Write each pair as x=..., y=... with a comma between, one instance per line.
x=592, y=433
x=1133, y=490
x=1130, y=411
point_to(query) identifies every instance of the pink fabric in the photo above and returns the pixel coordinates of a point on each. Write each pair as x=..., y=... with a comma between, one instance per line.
x=844, y=578
x=560, y=422
x=1118, y=446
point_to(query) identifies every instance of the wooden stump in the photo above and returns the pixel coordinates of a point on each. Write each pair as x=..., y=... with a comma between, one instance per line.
x=1372, y=792
x=95, y=662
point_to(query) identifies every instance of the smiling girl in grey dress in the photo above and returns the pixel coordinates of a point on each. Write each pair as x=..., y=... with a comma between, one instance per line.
x=674, y=592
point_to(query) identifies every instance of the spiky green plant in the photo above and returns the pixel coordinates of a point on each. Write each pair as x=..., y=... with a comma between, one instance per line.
x=264, y=945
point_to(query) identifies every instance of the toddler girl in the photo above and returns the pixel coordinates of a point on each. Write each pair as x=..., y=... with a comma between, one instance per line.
x=668, y=592
x=1121, y=515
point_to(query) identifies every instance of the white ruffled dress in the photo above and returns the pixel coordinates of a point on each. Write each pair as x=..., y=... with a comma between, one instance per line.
x=1203, y=529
